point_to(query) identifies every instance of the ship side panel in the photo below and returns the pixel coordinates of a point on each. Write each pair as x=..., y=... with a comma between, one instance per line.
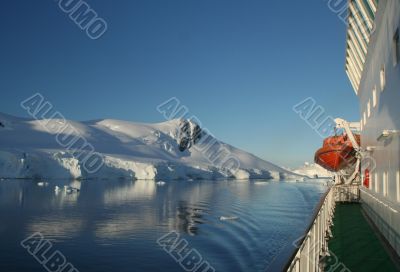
x=382, y=112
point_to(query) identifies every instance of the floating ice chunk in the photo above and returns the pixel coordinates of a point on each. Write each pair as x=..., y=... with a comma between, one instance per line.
x=57, y=189
x=67, y=189
x=225, y=218
x=42, y=184
x=160, y=183
x=70, y=190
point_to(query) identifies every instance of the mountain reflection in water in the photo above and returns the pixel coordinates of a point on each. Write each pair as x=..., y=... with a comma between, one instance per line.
x=114, y=224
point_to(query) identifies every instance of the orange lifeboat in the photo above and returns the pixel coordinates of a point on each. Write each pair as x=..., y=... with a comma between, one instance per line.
x=337, y=153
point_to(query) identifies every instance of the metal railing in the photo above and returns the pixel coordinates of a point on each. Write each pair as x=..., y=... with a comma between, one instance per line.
x=314, y=244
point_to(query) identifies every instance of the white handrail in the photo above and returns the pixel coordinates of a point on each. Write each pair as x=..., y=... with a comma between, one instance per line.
x=315, y=242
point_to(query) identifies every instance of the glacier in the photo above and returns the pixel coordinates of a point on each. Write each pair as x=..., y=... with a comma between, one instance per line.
x=31, y=149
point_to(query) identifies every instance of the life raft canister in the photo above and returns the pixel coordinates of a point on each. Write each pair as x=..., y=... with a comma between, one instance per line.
x=366, y=178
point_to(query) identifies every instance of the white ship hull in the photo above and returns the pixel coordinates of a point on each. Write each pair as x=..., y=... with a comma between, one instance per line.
x=377, y=84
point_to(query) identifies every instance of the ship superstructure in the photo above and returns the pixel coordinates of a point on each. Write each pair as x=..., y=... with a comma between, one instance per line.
x=345, y=235
x=373, y=67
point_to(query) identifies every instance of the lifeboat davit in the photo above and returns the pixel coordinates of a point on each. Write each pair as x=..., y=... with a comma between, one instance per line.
x=337, y=153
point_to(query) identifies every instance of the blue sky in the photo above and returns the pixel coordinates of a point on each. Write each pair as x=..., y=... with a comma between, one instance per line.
x=239, y=66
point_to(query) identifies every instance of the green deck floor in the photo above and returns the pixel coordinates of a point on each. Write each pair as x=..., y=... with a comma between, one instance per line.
x=355, y=243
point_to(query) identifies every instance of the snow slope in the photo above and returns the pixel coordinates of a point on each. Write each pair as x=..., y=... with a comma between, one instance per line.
x=39, y=149
x=313, y=170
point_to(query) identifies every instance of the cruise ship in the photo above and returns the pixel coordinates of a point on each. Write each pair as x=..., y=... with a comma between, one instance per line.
x=357, y=224
x=373, y=67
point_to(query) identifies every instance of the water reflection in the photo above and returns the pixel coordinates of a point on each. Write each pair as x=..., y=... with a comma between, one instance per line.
x=127, y=191
x=188, y=217
x=125, y=218
x=24, y=193
x=60, y=227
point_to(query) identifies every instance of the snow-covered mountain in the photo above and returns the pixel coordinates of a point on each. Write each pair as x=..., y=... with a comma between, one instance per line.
x=176, y=149
x=313, y=170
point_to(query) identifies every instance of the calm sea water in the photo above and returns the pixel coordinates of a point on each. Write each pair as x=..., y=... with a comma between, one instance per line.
x=115, y=225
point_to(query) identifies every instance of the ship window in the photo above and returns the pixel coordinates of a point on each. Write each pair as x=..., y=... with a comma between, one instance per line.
x=365, y=118
x=396, y=48
x=398, y=185
x=363, y=21
x=369, y=108
x=383, y=78
x=374, y=97
x=376, y=183
x=385, y=183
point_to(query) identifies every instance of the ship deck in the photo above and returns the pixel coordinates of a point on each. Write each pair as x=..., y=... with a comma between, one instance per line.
x=356, y=245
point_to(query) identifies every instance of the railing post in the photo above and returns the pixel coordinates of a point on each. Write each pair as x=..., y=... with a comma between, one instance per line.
x=314, y=245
